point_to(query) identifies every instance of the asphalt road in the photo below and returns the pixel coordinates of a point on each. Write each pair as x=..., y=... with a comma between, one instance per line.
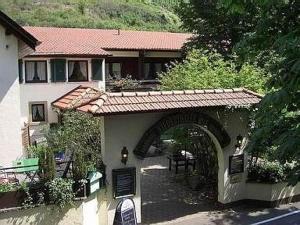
x=292, y=218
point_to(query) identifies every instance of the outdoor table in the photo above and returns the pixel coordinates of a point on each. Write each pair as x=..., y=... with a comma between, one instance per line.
x=182, y=161
x=29, y=170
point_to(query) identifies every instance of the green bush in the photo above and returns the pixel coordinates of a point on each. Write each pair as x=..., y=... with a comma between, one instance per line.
x=269, y=172
x=202, y=70
x=61, y=192
x=7, y=187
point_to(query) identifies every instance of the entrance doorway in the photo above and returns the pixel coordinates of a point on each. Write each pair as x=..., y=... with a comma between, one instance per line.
x=179, y=175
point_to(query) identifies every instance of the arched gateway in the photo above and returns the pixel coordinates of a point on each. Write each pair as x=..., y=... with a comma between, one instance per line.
x=134, y=119
x=172, y=120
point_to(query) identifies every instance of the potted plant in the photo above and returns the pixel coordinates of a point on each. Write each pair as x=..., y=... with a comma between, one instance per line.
x=125, y=84
x=11, y=195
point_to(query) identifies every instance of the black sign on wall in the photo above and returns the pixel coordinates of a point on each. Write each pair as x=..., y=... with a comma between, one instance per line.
x=124, y=182
x=125, y=213
x=236, y=164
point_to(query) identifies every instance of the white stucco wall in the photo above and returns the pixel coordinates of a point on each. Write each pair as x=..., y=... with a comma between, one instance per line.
x=31, y=92
x=87, y=212
x=10, y=128
x=49, y=92
x=271, y=192
x=126, y=130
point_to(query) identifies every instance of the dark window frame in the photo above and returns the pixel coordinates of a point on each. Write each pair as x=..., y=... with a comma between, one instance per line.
x=44, y=113
x=46, y=72
x=87, y=70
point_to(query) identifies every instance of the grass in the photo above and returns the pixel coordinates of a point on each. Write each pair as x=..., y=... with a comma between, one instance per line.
x=111, y=14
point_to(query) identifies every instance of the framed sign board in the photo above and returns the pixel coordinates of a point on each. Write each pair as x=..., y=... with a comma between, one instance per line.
x=124, y=182
x=236, y=164
x=125, y=213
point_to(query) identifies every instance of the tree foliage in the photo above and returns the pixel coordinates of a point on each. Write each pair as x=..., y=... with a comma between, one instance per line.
x=275, y=44
x=202, y=70
x=112, y=14
x=214, y=27
x=80, y=135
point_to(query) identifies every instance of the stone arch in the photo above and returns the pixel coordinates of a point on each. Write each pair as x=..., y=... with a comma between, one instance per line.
x=172, y=120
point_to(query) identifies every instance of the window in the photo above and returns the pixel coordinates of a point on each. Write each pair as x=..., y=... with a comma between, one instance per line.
x=58, y=70
x=151, y=70
x=38, y=113
x=113, y=71
x=36, y=71
x=78, y=71
x=97, y=69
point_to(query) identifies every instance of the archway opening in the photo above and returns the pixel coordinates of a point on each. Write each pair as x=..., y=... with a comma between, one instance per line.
x=180, y=174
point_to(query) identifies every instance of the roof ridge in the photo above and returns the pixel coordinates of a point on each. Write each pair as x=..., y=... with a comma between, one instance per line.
x=253, y=93
x=90, y=28
x=179, y=92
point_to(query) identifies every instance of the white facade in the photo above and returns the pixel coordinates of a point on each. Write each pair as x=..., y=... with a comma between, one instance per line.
x=10, y=128
x=46, y=93
x=127, y=130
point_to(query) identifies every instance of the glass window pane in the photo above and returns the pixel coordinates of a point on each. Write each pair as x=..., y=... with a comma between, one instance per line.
x=41, y=70
x=29, y=71
x=36, y=71
x=78, y=71
x=158, y=68
x=38, y=112
x=107, y=75
x=146, y=70
x=116, y=70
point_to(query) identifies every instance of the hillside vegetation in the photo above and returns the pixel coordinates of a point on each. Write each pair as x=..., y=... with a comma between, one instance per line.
x=124, y=14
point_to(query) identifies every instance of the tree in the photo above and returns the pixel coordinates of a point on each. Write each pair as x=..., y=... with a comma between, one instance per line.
x=202, y=70
x=214, y=27
x=274, y=43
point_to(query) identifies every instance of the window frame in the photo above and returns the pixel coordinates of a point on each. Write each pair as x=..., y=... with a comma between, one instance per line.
x=31, y=105
x=87, y=70
x=46, y=71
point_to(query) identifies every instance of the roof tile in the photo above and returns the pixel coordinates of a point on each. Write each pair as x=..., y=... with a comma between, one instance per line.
x=79, y=41
x=96, y=102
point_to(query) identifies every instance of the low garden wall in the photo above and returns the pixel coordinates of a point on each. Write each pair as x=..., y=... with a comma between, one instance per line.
x=91, y=211
x=272, y=194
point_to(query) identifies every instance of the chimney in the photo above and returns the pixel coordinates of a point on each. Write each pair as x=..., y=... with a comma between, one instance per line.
x=119, y=31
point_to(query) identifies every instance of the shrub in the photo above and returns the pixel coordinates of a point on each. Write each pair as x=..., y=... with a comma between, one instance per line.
x=61, y=192
x=269, y=172
x=46, y=160
x=203, y=69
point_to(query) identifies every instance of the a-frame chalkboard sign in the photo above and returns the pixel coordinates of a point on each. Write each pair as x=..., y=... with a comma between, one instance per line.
x=125, y=213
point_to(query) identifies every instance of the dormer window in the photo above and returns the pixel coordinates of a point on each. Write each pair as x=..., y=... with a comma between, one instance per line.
x=78, y=71
x=36, y=71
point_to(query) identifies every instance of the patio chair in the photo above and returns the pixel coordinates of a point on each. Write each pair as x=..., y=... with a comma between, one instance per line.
x=28, y=166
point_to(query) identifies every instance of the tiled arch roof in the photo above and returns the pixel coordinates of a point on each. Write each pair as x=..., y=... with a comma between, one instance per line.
x=90, y=100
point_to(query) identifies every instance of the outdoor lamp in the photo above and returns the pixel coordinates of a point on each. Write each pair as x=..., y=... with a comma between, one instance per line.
x=239, y=140
x=124, y=154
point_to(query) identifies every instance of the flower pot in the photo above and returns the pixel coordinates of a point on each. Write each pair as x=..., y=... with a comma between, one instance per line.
x=11, y=199
x=80, y=189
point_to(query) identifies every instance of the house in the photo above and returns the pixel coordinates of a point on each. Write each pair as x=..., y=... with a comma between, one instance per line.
x=15, y=42
x=69, y=57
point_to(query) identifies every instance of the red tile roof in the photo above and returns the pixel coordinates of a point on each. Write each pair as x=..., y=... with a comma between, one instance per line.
x=135, y=102
x=78, y=41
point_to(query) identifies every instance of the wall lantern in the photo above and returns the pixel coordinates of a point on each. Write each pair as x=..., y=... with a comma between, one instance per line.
x=239, y=141
x=124, y=154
